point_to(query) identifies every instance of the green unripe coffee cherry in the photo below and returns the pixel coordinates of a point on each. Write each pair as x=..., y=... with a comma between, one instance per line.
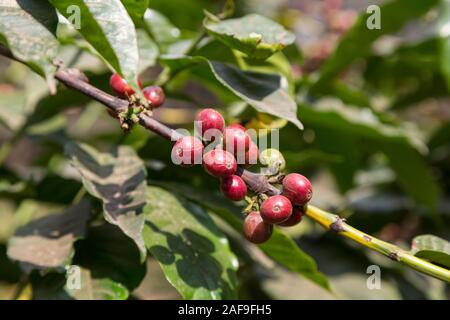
x=272, y=158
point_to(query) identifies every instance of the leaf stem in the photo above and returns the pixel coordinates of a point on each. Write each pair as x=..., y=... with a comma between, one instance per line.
x=334, y=223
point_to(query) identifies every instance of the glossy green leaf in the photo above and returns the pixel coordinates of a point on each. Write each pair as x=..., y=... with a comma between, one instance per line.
x=280, y=247
x=107, y=26
x=46, y=242
x=194, y=255
x=28, y=28
x=91, y=288
x=357, y=42
x=257, y=36
x=263, y=91
x=432, y=248
x=118, y=179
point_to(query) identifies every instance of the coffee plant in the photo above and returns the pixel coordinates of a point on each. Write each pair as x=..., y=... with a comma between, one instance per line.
x=224, y=149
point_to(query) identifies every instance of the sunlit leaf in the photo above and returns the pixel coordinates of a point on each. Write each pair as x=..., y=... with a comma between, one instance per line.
x=118, y=179
x=257, y=36
x=28, y=28
x=194, y=255
x=47, y=242
x=107, y=26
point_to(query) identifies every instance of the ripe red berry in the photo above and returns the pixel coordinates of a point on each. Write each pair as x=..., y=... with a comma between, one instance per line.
x=187, y=151
x=121, y=87
x=154, y=95
x=236, y=141
x=219, y=163
x=208, y=120
x=276, y=209
x=255, y=229
x=234, y=188
x=251, y=156
x=297, y=188
x=295, y=218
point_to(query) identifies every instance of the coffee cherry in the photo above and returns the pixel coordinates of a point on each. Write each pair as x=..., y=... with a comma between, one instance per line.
x=234, y=188
x=209, y=119
x=251, y=156
x=236, y=140
x=255, y=229
x=295, y=218
x=297, y=188
x=276, y=209
x=187, y=151
x=121, y=87
x=272, y=157
x=219, y=163
x=154, y=95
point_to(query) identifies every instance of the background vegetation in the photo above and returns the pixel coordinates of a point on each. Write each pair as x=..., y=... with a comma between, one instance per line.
x=374, y=105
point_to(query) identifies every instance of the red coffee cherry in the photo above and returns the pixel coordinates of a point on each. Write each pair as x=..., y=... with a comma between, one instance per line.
x=276, y=209
x=255, y=229
x=209, y=119
x=236, y=140
x=219, y=163
x=234, y=188
x=121, y=87
x=251, y=156
x=295, y=218
x=297, y=188
x=154, y=95
x=187, y=151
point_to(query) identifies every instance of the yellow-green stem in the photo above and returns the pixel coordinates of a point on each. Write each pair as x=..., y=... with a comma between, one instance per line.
x=335, y=223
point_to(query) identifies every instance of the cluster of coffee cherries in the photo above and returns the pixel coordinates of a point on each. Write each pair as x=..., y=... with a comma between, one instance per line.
x=232, y=143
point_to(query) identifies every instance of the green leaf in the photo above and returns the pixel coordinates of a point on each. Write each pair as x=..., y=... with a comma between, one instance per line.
x=136, y=9
x=107, y=252
x=162, y=30
x=263, y=91
x=432, y=248
x=47, y=242
x=92, y=288
x=29, y=27
x=357, y=42
x=148, y=50
x=413, y=173
x=359, y=122
x=118, y=179
x=107, y=26
x=256, y=36
x=194, y=255
x=280, y=247
x=286, y=252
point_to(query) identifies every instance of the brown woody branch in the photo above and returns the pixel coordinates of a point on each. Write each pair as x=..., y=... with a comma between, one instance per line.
x=75, y=79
